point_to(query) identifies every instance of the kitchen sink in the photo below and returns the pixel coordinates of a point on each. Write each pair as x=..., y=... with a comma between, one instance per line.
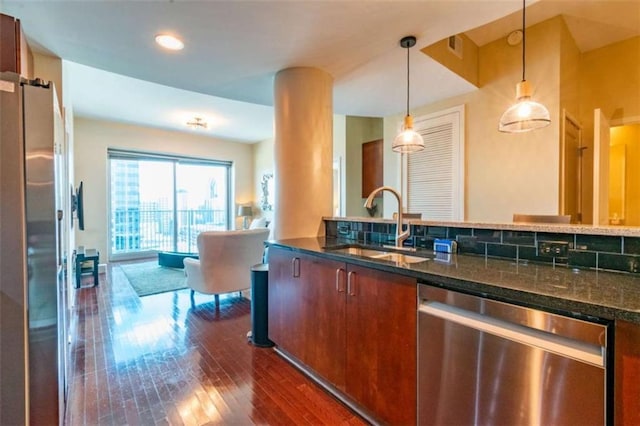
x=358, y=251
x=380, y=254
x=399, y=257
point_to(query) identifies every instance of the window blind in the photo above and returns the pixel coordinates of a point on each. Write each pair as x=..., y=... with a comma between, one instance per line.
x=434, y=177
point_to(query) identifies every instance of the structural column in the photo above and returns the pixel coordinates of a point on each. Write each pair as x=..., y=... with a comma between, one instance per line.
x=303, y=151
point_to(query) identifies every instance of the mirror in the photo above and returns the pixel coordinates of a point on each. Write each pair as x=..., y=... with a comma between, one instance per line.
x=581, y=57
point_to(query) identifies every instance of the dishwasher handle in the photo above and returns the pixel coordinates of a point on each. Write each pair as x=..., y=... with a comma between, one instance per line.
x=581, y=351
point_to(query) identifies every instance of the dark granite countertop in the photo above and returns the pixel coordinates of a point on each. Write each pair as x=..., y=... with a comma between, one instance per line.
x=578, y=292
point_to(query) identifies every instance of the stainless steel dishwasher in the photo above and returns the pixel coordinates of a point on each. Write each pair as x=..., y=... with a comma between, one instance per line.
x=484, y=362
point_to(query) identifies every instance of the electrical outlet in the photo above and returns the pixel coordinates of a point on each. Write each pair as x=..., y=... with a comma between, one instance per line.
x=553, y=248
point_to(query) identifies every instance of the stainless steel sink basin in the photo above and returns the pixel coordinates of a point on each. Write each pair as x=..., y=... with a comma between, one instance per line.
x=358, y=251
x=380, y=255
x=399, y=258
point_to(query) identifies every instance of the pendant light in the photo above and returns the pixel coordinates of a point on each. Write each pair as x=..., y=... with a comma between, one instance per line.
x=525, y=114
x=408, y=140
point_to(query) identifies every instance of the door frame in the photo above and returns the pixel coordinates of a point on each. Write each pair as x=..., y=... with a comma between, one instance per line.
x=563, y=184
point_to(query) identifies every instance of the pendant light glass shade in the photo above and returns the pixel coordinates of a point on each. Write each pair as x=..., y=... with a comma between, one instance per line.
x=525, y=114
x=408, y=140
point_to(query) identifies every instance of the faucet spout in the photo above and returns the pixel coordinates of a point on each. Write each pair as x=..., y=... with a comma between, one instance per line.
x=400, y=234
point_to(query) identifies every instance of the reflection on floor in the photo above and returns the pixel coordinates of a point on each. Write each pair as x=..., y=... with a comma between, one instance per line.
x=156, y=360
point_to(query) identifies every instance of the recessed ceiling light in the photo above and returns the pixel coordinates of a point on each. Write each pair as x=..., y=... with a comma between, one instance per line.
x=169, y=42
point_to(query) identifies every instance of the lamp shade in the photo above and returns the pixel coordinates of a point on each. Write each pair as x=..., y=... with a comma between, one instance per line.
x=244, y=211
x=408, y=140
x=525, y=114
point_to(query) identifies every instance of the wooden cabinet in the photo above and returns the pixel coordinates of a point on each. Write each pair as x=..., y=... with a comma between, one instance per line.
x=627, y=374
x=371, y=167
x=283, y=296
x=15, y=54
x=354, y=327
x=381, y=343
x=307, y=311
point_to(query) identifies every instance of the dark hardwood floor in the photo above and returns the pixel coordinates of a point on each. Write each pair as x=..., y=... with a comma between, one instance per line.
x=155, y=360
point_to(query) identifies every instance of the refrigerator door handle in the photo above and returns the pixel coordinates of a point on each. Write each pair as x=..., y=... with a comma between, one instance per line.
x=60, y=216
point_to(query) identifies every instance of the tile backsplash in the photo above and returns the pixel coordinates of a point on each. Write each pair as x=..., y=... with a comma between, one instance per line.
x=615, y=253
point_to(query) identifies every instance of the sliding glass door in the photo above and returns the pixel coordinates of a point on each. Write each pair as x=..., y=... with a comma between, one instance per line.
x=202, y=202
x=161, y=203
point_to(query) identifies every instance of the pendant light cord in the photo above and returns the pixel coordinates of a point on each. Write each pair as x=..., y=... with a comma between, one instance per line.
x=524, y=38
x=408, y=79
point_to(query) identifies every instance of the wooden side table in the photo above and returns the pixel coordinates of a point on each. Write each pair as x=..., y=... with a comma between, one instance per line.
x=87, y=255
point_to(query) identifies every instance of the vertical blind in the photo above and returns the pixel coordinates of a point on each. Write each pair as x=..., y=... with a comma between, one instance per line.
x=434, y=177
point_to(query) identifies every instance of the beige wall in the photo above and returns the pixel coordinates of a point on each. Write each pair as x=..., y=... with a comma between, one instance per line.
x=358, y=131
x=610, y=80
x=569, y=71
x=50, y=68
x=262, y=164
x=505, y=173
x=340, y=153
x=466, y=67
x=93, y=137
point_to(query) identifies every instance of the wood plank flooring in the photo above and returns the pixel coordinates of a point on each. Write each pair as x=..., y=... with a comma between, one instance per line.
x=156, y=360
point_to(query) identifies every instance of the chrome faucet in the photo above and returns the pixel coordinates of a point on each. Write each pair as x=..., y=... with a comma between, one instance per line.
x=400, y=235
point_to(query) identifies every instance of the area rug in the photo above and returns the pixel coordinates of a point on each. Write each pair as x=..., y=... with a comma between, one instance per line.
x=149, y=278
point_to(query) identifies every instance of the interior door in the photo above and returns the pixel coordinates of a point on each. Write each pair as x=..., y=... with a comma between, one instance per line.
x=600, y=168
x=571, y=182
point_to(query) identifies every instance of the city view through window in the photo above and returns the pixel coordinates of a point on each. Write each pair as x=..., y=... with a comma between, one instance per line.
x=162, y=205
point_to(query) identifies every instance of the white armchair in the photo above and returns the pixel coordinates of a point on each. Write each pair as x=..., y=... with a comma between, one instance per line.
x=225, y=261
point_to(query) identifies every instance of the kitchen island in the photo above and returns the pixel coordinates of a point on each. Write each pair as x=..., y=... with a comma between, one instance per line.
x=597, y=296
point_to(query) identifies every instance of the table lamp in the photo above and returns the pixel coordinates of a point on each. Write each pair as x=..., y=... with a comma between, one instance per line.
x=245, y=213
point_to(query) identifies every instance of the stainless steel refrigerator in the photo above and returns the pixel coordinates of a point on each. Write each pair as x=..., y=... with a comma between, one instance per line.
x=32, y=305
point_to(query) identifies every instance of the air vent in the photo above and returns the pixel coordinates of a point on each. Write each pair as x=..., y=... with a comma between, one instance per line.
x=455, y=45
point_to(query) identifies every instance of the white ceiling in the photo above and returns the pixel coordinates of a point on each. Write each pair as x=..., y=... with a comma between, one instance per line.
x=234, y=48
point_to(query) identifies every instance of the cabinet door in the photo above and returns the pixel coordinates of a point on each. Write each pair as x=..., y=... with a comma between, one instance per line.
x=284, y=295
x=306, y=311
x=10, y=44
x=323, y=315
x=627, y=374
x=381, y=343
